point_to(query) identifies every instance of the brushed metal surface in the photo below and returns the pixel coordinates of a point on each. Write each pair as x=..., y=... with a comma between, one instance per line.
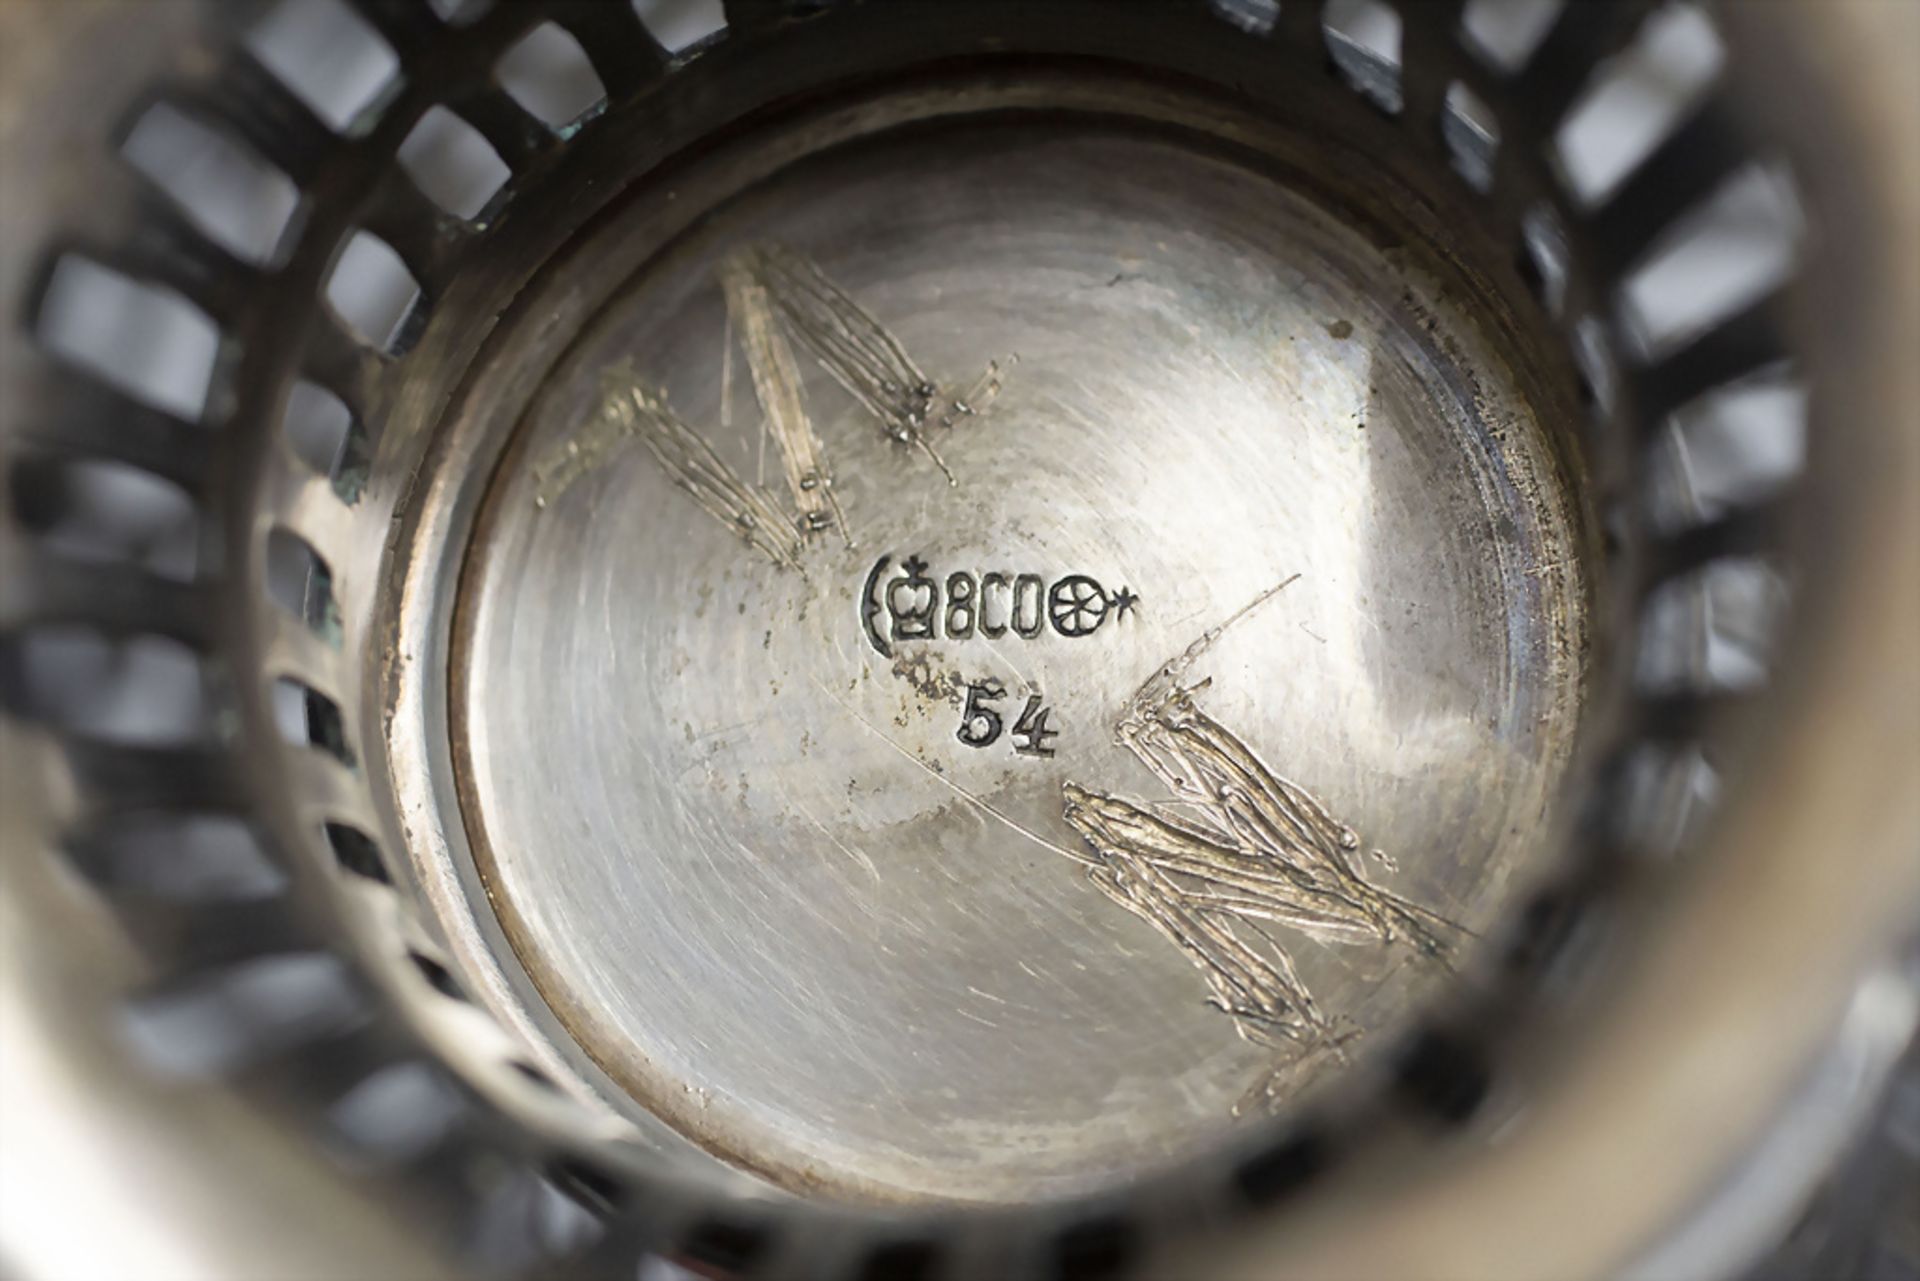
x=746, y=857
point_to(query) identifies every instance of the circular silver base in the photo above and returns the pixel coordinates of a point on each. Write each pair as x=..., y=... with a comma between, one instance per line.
x=821, y=753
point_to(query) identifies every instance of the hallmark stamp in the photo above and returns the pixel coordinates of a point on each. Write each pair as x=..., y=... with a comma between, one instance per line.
x=913, y=603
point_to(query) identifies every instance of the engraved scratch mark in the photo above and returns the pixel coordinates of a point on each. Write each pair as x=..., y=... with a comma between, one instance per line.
x=776, y=384
x=633, y=411
x=773, y=294
x=726, y=389
x=1235, y=849
x=853, y=855
x=974, y=400
x=859, y=353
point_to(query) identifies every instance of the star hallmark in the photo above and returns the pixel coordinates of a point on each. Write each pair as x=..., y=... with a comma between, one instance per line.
x=1123, y=602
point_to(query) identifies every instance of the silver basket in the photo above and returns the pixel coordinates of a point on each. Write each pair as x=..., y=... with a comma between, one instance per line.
x=509, y=762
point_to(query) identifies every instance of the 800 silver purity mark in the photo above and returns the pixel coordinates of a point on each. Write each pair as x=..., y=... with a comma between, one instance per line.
x=913, y=604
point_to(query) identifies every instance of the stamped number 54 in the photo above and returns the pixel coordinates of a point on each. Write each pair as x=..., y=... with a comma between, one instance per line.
x=981, y=723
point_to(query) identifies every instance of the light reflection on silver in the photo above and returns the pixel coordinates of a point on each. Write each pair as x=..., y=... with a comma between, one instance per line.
x=743, y=859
